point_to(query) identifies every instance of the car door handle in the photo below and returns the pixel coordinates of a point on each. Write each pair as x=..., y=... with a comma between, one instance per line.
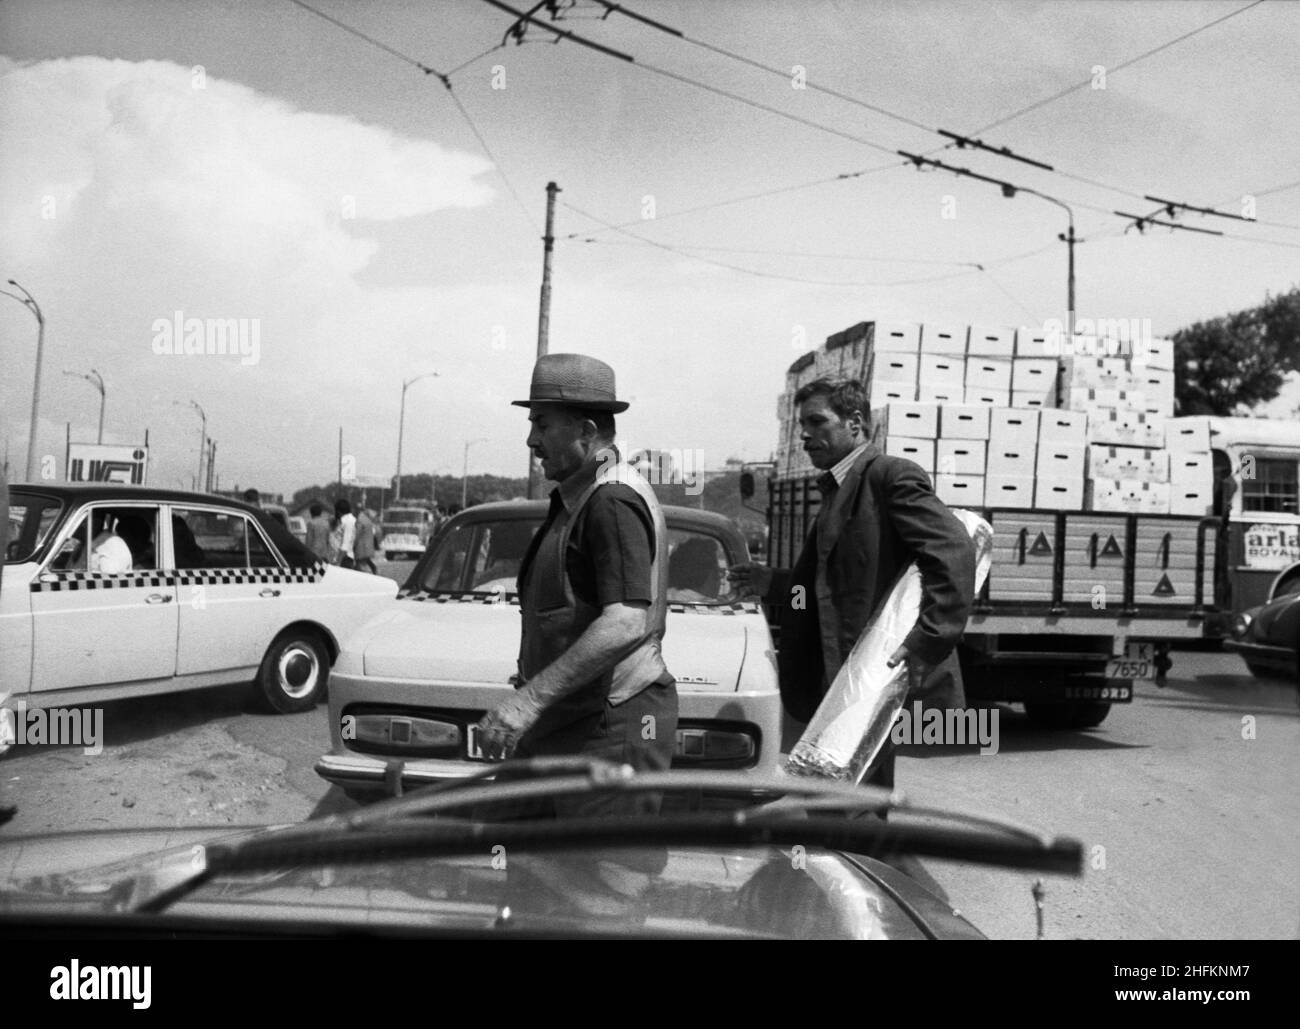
x=268, y=592
x=158, y=598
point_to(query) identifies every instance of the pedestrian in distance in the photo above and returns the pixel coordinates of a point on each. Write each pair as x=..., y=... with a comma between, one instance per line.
x=318, y=531
x=343, y=534
x=364, y=547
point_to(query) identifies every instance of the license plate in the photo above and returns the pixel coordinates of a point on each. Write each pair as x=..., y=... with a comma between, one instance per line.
x=1137, y=663
x=472, y=749
x=1117, y=693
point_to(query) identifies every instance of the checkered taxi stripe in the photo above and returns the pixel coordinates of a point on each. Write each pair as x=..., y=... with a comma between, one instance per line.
x=743, y=607
x=508, y=597
x=67, y=581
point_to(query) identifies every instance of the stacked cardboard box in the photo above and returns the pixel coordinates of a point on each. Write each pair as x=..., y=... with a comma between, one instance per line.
x=1128, y=400
x=1012, y=455
x=1191, y=466
x=1062, y=457
x=1021, y=418
x=909, y=430
x=961, y=454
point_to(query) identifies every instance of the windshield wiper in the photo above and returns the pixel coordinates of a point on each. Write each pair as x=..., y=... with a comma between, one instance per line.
x=444, y=838
x=401, y=828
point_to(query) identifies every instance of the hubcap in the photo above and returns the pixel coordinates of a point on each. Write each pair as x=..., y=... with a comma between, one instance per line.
x=299, y=671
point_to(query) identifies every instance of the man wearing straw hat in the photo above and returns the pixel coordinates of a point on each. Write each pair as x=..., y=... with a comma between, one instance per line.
x=592, y=591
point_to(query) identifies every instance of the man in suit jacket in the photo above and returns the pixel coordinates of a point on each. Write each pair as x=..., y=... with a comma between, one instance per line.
x=878, y=515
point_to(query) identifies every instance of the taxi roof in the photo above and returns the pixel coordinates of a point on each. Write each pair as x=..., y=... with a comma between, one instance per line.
x=78, y=492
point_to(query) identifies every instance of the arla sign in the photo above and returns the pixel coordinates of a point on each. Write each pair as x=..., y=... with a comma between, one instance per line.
x=1272, y=545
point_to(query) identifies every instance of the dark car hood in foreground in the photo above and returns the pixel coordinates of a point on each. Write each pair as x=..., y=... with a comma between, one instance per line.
x=728, y=891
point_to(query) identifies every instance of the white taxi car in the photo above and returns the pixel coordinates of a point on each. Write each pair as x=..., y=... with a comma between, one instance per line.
x=112, y=591
x=409, y=687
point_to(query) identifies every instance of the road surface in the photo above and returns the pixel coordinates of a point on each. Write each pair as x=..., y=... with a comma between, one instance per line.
x=1186, y=799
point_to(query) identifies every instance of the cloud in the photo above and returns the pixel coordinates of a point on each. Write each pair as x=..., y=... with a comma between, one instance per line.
x=132, y=190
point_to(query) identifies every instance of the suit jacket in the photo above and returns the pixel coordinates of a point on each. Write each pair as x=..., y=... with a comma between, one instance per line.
x=885, y=517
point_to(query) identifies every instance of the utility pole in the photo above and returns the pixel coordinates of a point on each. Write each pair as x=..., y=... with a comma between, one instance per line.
x=1070, y=239
x=544, y=315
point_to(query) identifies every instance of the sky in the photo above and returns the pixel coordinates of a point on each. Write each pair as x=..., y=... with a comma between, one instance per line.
x=254, y=161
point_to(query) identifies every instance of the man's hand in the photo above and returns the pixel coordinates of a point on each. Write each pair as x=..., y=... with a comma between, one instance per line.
x=918, y=669
x=749, y=579
x=499, y=730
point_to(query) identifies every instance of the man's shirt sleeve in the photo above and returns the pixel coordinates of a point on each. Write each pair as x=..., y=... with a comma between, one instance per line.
x=619, y=543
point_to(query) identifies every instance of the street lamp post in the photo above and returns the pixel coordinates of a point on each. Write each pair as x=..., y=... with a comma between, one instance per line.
x=464, y=472
x=1068, y=238
x=203, y=439
x=401, y=426
x=29, y=302
x=98, y=383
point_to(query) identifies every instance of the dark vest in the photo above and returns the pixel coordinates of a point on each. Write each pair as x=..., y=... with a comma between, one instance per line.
x=554, y=616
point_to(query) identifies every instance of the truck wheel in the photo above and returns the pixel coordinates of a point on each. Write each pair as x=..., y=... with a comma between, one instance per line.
x=1078, y=714
x=294, y=672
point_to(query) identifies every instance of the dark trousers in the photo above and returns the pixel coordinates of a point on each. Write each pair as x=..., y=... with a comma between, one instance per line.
x=641, y=732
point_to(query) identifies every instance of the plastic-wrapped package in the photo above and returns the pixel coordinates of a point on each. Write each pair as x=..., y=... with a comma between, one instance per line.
x=856, y=715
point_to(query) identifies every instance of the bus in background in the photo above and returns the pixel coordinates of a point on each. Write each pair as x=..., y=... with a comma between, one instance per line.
x=1257, y=492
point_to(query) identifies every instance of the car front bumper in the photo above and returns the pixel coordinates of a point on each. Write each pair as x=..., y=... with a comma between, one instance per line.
x=1262, y=653
x=759, y=712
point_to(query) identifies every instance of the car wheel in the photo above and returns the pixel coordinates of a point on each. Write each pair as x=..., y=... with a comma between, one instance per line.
x=1078, y=714
x=294, y=672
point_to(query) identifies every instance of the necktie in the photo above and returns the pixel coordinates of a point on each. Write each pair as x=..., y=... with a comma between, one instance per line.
x=827, y=485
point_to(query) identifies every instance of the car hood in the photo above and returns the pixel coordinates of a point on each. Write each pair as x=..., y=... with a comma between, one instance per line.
x=699, y=889
x=429, y=639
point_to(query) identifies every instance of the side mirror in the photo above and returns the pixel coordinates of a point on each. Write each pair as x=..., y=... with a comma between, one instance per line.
x=747, y=485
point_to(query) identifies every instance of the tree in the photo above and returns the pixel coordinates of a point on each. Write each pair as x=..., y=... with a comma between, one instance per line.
x=1236, y=362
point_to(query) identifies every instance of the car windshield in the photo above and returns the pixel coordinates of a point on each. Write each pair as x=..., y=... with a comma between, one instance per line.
x=479, y=556
x=31, y=517
x=484, y=557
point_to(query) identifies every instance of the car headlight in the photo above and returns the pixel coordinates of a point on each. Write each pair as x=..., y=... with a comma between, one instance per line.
x=1241, y=625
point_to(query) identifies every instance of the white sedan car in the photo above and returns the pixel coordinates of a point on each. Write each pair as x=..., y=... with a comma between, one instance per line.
x=410, y=686
x=114, y=591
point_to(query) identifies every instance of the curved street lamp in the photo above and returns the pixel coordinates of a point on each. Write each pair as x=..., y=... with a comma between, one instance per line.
x=98, y=383
x=1069, y=239
x=29, y=302
x=401, y=426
